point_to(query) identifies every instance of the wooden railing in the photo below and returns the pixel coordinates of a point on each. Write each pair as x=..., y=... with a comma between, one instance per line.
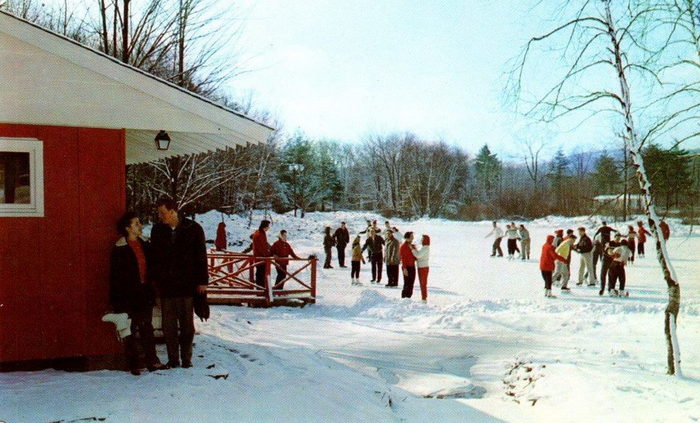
x=232, y=280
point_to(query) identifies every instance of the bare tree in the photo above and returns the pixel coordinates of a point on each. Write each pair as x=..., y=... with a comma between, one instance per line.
x=596, y=40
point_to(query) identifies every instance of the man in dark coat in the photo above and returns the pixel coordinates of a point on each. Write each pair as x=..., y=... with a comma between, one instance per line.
x=180, y=272
x=328, y=243
x=374, y=245
x=131, y=291
x=342, y=238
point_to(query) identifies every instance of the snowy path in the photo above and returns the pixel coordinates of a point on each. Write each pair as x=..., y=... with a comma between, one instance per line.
x=486, y=338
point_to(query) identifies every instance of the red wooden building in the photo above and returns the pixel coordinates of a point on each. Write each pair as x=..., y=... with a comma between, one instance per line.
x=71, y=118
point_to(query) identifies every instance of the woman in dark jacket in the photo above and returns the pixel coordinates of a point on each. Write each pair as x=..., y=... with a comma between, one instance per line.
x=131, y=291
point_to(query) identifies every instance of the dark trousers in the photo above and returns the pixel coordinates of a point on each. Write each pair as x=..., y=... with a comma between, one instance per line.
x=260, y=274
x=512, y=246
x=497, y=247
x=631, y=246
x=281, y=274
x=392, y=273
x=355, y=269
x=141, y=325
x=341, y=255
x=640, y=249
x=377, y=265
x=409, y=278
x=177, y=314
x=604, y=272
x=329, y=256
x=617, y=272
x=547, y=276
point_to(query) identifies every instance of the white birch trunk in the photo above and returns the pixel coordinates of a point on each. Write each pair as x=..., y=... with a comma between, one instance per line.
x=634, y=148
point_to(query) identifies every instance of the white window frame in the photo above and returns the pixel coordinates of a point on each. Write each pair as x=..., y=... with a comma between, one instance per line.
x=35, y=148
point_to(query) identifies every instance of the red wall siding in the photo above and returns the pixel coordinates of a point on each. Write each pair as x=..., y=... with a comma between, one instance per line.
x=53, y=269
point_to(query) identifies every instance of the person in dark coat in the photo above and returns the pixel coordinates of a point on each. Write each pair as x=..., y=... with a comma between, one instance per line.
x=131, y=291
x=282, y=250
x=373, y=245
x=392, y=259
x=261, y=248
x=342, y=238
x=180, y=272
x=408, y=265
x=328, y=244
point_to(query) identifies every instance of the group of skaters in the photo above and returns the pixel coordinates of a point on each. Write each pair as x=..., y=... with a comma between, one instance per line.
x=513, y=234
x=398, y=257
x=614, y=252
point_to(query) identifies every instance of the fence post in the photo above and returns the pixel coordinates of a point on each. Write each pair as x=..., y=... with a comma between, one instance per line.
x=268, y=285
x=313, y=277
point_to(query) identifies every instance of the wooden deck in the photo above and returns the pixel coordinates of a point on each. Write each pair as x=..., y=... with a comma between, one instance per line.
x=232, y=280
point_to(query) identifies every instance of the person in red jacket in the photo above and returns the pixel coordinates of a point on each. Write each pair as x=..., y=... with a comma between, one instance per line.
x=281, y=250
x=641, y=238
x=408, y=263
x=665, y=230
x=547, y=259
x=261, y=249
x=220, y=242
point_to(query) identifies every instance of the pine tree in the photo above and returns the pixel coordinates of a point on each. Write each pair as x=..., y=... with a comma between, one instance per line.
x=487, y=171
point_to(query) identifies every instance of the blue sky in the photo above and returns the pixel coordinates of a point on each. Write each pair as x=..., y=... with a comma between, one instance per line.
x=345, y=69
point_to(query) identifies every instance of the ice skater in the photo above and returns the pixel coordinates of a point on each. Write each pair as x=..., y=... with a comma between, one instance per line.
x=498, y=236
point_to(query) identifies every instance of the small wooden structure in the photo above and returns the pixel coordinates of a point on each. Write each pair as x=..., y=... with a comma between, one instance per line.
x=232, y=280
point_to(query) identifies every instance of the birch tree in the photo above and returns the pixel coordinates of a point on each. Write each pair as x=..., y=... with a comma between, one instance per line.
x=603, y=49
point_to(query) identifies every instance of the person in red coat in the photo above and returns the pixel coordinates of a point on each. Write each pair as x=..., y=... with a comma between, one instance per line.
x=220, y=242
x=547, y=259
x=641, y=238
x=281, y=250
x=408, y=263
x=261, y=249
x=665, y=230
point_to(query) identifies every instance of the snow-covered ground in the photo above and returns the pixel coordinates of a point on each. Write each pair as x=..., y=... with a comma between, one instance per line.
x=487, y=347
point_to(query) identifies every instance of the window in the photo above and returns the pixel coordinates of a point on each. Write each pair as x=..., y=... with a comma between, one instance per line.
x=21, y=177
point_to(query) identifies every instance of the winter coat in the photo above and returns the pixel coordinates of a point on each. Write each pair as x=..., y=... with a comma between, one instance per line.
x=512, y=233
x=342, y=237
x=496, y=232
x=220, y=242
x=549, y=255
x=282, y=249
x=126, y=292
x=392, y=251
x=407, y=257
x=665, y=230
x=328, y=241
x=564, y=249
x=584, y=245
x=642, y=232
x=621, y=254
x=357, y=253
x=422, y=256
x=605, y=231
x=374, y=245
x=524, y=234
x=179, y=258
x=260, y=246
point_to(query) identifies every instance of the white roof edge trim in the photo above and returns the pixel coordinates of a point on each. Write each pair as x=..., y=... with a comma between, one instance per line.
x=95, y=60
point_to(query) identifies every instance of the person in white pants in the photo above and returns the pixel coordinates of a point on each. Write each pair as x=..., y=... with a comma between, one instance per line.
x=584, y=247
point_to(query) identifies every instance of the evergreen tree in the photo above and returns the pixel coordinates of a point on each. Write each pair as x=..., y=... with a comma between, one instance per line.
x=669, y=173
x=487, y=171
x=606, y=175
x=559, y=176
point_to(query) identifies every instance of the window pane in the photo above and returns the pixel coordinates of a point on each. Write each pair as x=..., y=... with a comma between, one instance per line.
x=14, y=178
